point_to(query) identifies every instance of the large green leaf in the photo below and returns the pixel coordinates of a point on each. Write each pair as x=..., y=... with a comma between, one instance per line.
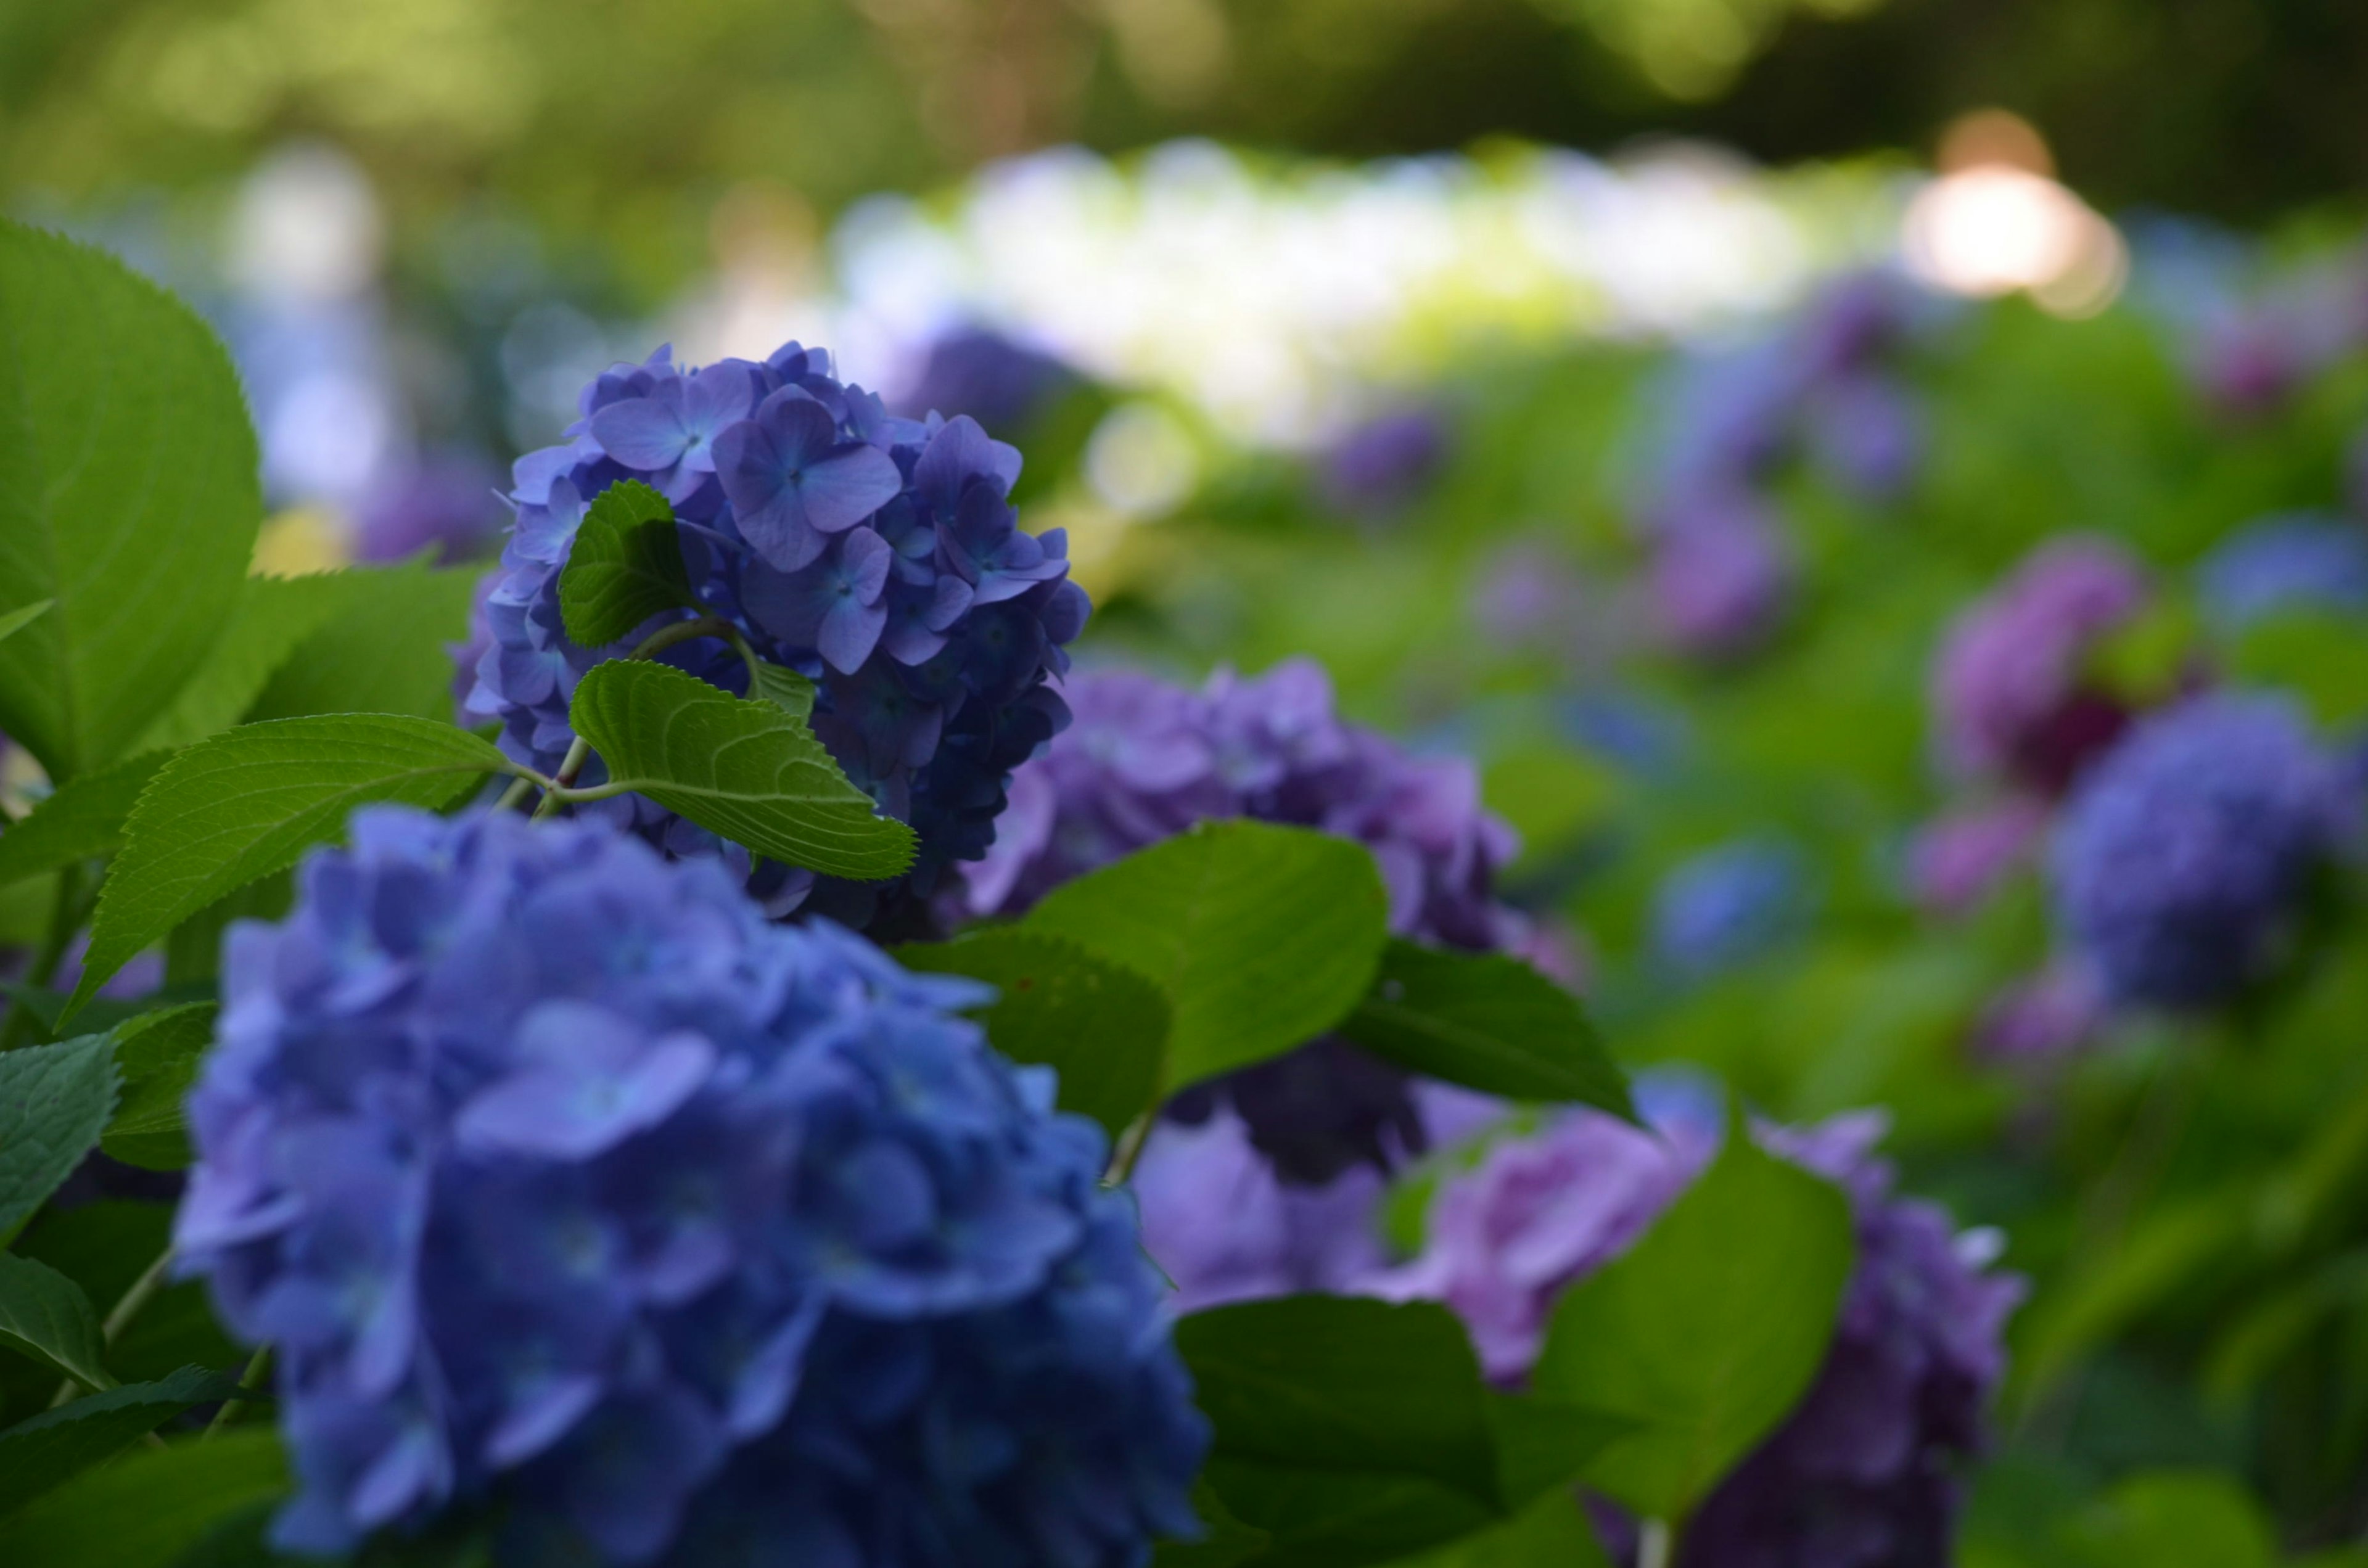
x=274, y=617
x=1102, y=1026
x=1708, y=1331
x=54, y=1101
x=1350, y=1430
x=250, y=801
x=785, y=688
x=158, y=1055
x=83, y=819
x=46, y=1315
x=744, y=769
x=1488, y=1022
x=1224, y=1540
x=1552, y=1532
x=146, y=1509
x=15, y=621
x=2174, y=1518
x=127, y=498
x=624, y=566
x=386, y=648
x=1262, y=935
x=47, y=1450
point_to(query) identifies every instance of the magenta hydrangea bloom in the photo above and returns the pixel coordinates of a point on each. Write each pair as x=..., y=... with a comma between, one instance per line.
x=2007, y=697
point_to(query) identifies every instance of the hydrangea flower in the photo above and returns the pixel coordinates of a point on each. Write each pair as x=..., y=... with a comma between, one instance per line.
x=1957, y=860
x=2041, y=1017
x=1720, y=574
x=1147, y=759
x=2290, y=560
x=2007, y=691
x=1002, y=384
x=1727, y=906
x=2180, y=857
x=878, y=555
x=1863, y=1474
x=1380, y=465
x=557, y=1176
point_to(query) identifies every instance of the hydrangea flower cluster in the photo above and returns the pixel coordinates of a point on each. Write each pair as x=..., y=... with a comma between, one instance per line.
x=2179, y=861
x=1861, y=1473
x=1146, y=760
x=879, y=555
x=2287, y=562
x=1957, y=860
x=557, y=1174
x=2008, y=695
x=1002, y=384
x=1728, y=905
x=1379, y=465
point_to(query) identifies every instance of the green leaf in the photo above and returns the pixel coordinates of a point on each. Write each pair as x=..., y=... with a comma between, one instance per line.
x=1224, y=1540
x=193, y=952
x=275, y=615
x=1552, y=1532
x=1544, y=1445
x=54, y=1100
x=386, y=648
x=745, y=771
x=15, y=621
x=2176, y=1518
x=1708, y=1331
x=129, y=499
x=45, y=1315
x=784, y=688
x=1262, y=936
x=1350, y=1430
x=45, y=1007
x=2320, y=655
x=83, y=819
x=158, y=1055
x=146, y=1509
x=250, y=801
x=49, y=1449
x=1488, y=1022
x=625, y=567
x=1101, y=1024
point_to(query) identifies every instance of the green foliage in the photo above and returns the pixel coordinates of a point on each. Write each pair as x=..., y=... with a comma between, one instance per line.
x=785, y=688
x=54, y=1101
x=1262, y=936
x=1225, y=1540
x=2321, y=658
x=248, y=802
x=158, y=1054
x=1102, y=1026
x=146, y=1509
x=273, y=617
x=39, y=1455
x=744, y=769
x=1708, y=1331
x=15, y=621
x=82, y=820
x=625, y=567
x=1554, y=1530
x=1488, y=1022
x=45, y=1315
x=2174, y=1519
x=385, y=648
x=127, y=498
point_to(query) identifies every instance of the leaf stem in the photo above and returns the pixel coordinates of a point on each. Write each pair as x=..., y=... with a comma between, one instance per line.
x=248, y=1381
x=666, y=636
x=579, y=750
x=1129, y=1153
x=1654, y=1540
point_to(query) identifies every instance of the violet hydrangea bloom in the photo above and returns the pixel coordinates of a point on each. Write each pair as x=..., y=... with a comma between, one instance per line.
x=2007, y=690
x=878, y=555
x=1721, y=575
x=1380, y=465
x=1001, y=384
x=2289, y=560
x=560, y=1179
x=1958, y=859
x=2181, y=857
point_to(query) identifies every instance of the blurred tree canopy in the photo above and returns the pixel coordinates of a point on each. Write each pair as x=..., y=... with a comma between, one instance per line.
x=615, y=120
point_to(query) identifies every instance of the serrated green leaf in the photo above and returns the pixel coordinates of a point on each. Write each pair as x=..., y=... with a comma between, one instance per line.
x=1262, y=936
x=274, y=617
x=54, y=1101
x=1101, y=1026
x=15, y=621
x=49, y=1449
x=193, y=952
x=158, y=1055
x=745, y=771
x=785, y=688
x=146, y=1509
x=83, y=819
x=250, y=801
x=46, y=1315
x=1708, y=1331
x=43, y=1006
x=386, y=648
x=625, y=567
x=129, y=498
x=1487, y=1022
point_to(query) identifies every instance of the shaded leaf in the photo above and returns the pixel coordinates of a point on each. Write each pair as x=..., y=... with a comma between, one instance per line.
x=1224, y=1540
x=54, y=1100
x=249, y=801
x=146, y=1509
x=274, y=617
x=1100, y=1024
x=1552, y=1532
x=82, y=820
x=1262, y=936
x=158, y=1055
x=47, y=1450
x=46, y=1315
x=15, y=621
x=100, y=1014
x=744, y=771
x=625, y=567
x=386, y=648
x=785, y=688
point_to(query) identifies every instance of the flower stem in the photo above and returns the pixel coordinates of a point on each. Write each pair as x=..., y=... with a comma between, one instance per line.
x=248, y=1381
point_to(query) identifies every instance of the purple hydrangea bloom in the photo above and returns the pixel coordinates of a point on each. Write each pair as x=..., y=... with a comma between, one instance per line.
x=446, y=504
x=2007, y=690
x=1863, y=1474
x=1728, y=905
x=560, y=1178
x=2291, y=561
x=878, y=555
x=1955, y=861
x=1384, y=463
x=2040, y=1019
x=2179, y=859
x=1147, y=759
x=1867, y=434
x=1721, y=575
x=1002, y=384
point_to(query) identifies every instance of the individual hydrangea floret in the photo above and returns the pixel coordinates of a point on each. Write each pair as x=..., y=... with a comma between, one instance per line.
x=1728, y=905
x=2291, y=560
x=562, y=1180
x=1147, y=759
x=2180, y=858
x=879, y=556
x=2008, y=696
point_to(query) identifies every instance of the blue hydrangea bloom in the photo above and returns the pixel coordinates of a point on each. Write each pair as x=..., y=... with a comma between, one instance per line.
x=1728, y=905
x=879, y=556
x=1003, y=384
x=2290, y=560
x=2184, y=849
x=562, y=1178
